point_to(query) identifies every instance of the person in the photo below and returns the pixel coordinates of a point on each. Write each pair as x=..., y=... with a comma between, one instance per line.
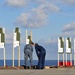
x=41, y=53
x=28, y=51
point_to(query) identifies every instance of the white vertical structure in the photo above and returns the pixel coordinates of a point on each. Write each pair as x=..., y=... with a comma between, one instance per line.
x=68, y=49
x=28, y=38
x=60, y=48
x=16, y=43
x=31, y=34
x=2, y=42
x=74, y=51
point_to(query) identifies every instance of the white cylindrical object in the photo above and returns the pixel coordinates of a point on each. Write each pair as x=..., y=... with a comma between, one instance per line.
x=19, y=56
x=74, y=59
x=74, y=51
x=4, y=58
x=58, y=59
x=0, y=38
x=63, y=59
x=13, y=51
x=71, y=59
x=74, y=45
x=66, y=58
x=26, y=36
x=31, y=34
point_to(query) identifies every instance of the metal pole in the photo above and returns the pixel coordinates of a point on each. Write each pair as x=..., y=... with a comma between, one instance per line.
x=13, y=51
x=71, y=59
x=26, y=36
x=74, y=51
x=63, y=59
x=0, y=38
x=19, y=56
x=58, y=59
x=66, y=58
x=4, y=58
x=31, y=34
x=74, y=59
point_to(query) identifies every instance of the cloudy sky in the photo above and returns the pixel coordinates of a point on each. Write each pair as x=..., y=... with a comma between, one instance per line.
x=47, y=19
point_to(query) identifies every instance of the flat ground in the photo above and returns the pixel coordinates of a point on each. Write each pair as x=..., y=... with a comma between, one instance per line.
x=50, y=71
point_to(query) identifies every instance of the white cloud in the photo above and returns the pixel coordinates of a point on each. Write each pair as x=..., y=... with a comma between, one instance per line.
x=68, y=34
x=68, y=30
x=31, y=20
x=48, y=7
x=69, y=27
x=37, y=17
x=17, y=3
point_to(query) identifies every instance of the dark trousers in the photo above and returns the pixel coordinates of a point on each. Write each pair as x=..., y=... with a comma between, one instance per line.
x=41, y=60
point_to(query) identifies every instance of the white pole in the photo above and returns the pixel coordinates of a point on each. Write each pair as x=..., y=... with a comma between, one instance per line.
x=0, y=37
x=26, y=36
x=74, y=51
x=4, y=49
x=63, y=59
x=19, y=56
x=13, y=51
x=31, y=34
x=4, y=58
x=58, y=59
x=74, y=59
x=66, y=58
x=71, y=59
x=19, y=53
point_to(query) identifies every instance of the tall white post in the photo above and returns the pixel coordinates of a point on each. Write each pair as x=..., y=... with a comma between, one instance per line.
x=71, y=58
x=31, y=34
x=74, y=51
x=74, y=59
x=66, y=58
x=19, y=56
x=68, y=49
x=13, y=51
x=2, y=42
x=4, y=58
x=26, y=36
x=58, y=59
x=0, y=37
x=63, y=59
x=60, y=48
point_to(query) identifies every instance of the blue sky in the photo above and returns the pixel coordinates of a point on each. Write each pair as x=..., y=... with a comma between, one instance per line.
x=47, y=19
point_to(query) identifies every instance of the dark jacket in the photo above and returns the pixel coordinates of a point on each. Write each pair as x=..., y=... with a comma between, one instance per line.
x=40, y=50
